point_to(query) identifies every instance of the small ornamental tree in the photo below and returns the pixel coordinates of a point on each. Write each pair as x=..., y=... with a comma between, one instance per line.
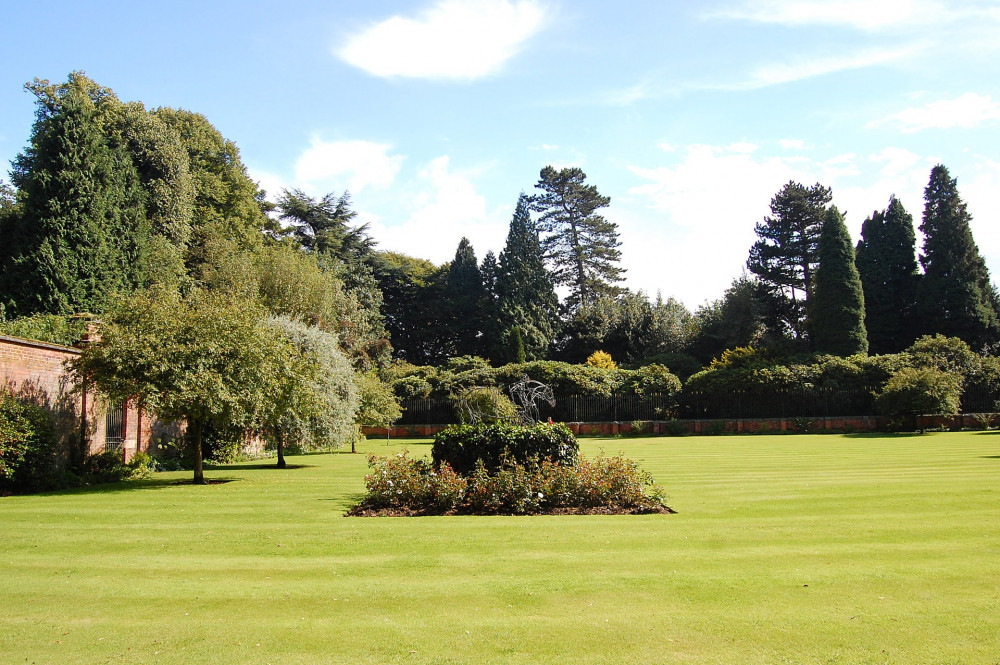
x=602, y=360
x=378, y=405
x=919, y=391
x=317, y=399
x=203, y=359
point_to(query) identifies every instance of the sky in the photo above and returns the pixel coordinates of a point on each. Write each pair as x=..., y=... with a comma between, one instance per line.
x=436, y=114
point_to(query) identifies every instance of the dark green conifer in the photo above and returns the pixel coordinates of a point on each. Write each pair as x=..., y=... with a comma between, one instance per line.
x=955, y=297
x=837, y=306
x=464, y=293
x=887, y=264
x=525, y=295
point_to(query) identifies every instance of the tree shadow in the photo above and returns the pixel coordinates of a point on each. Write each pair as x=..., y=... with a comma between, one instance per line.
x=127, y=486
x=882, y=435
x=255, y=467
x=989, y=457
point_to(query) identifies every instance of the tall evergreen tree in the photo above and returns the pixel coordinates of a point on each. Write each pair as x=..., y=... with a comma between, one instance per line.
x=465, y=295
x=81, y=231
x=326, y=225
x=581, y=244
x=526, y=299
x=786, y=252
x=887, y=264
x=955, y=296
x=837, y=308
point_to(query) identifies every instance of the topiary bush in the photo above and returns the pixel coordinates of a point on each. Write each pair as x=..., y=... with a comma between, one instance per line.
x=462, y=446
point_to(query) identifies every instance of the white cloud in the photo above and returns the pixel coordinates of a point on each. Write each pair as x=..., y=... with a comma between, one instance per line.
x=352, y=165
x=858, y=14
x=792, y=144
x=454, y=39
x=445, y=208
x=804, y=68
x=966, y=112
x=690, y=226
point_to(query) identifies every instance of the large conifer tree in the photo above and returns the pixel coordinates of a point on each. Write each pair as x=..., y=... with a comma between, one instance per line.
x=955, y=297
x=465, y=295
x=81, y=230
x=837, y=306
x=526, y=299
x=580, y=243
x=887, y=264
x=786, y=252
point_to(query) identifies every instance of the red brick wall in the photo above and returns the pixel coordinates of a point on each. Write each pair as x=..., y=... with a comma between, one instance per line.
x=37, y=371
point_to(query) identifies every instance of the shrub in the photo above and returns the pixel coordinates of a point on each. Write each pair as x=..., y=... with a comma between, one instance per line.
x=918, y=391
x=403, y=483
x=484, y=405
x=106, y=467
x=27, y=446
x=462, y=446
x=601, y=360
x=676, y=428
x=652, y=380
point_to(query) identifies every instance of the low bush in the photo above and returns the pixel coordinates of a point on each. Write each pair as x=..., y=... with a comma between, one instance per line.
x=110, y=467
x=462, y=446
x=27, y=447
x=401, y=485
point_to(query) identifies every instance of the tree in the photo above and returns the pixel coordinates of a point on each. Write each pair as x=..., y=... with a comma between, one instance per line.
x=955, y=296
x=916, y=391
x=887, y=265
x=326, y=225
x=837, y=306
x=525, y=297
x=81, y=229
x=316, y=400
x=378, y=404
x=465, y=295
x=786, y=252
x=206, y=359
x=413, y=297
x=581, y=244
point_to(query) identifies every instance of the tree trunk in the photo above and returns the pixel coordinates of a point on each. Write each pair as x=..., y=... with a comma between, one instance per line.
x=281, y=452
x=199, y=472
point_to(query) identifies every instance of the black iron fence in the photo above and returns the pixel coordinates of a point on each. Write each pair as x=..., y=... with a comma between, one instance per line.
x=788, y=403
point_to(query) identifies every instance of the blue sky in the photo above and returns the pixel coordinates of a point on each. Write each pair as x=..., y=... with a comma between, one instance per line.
x=437, y=114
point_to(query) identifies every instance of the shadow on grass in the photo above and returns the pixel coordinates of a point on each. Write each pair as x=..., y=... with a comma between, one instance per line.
x=882, y=435
x=255, y=467
x=990, y=457
x=135, y=486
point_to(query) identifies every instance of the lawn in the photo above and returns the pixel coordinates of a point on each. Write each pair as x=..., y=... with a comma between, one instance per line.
x=786, y=549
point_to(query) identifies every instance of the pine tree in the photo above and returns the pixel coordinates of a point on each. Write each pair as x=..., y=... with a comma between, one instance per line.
x=955, y=296
x=837, y=307
x=887, y=264
x=82, y=230
x=786, y=253
x=581, y=244
x=465, y=295
x=525, y=295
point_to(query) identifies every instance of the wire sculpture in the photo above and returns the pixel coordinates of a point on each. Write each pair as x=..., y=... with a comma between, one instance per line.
x=478, y=404
x=526, y=394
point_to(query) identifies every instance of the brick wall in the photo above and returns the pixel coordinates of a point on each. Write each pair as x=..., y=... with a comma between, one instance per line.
x=37, y=371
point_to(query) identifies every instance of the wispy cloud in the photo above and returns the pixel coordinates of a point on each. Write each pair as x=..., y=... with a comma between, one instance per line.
x=965, y=112
x=354, y=165
x=805, y=68
x=857, y=14
x=453, y=40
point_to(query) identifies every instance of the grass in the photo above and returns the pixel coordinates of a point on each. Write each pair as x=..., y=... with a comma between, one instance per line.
x=786, y=549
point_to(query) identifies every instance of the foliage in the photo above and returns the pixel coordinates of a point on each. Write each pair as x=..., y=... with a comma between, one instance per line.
x=325, y=226
x=378, y=406
x=918, y=391
x=787, y=250
x=465, y=297
x=479, y=404
x=27, y=446
x=462, y=446
x=402, y=485
x=651, y=380
x=837, y=305
x=413, y=293
x=887, y=265
x=51, y=328
x=955, y=295
x=580, y=243
x=316, y=400
x=110, y=467
x=601, y=360
x=205, y=358
x=402, y=482
x=524, y=297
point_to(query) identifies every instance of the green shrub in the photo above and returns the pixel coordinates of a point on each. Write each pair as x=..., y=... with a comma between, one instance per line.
x=51, y=328
x=676, y=428
x=484, y=405
x=462, y=446
x=919, y=391
x=106, y=467
x=402, y=485
x=27, y=447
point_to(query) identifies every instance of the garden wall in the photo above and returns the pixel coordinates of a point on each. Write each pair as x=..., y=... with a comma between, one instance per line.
x=723, y=426
x=37, y=371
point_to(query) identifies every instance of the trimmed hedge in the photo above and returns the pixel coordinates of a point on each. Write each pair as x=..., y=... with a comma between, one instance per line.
x=461, y=446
